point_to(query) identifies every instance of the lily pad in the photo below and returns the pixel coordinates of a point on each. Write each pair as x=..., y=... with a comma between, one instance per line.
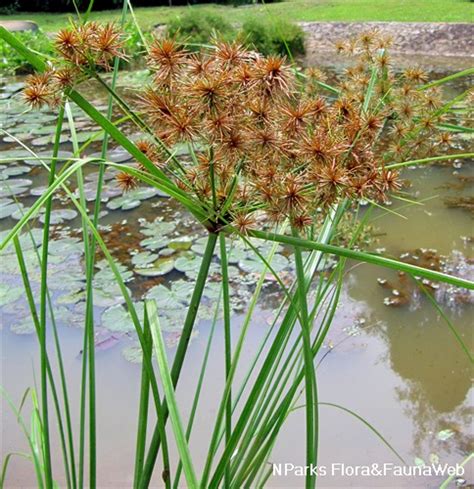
x=125, y=203
x=105, y=277
x=66, y=246
x=199, y=245
x=9, y=294
x=162, y=266
x=14, y=171
x=133, y=353
x=58, y=216
x=157, y=227
x=155, y=242
x=175, y=297
x=144, y=258
x=8, y=207
x=132, y=199
x=117, y=319
x=23, y=326
x=181, y=244
x=48, y=140
x=83, y=136
x=15, y=186
x=255, y=265
x=108, y=296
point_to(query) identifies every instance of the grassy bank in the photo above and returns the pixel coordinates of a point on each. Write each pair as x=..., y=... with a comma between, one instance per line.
x=296, y=10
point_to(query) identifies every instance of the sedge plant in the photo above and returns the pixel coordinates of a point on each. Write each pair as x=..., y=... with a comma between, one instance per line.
x=274, y=153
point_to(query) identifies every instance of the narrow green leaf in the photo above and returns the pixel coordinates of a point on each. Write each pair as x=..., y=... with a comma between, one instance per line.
x=430, y=160
x=168, y=387
x=366, y=257
x=447, y=79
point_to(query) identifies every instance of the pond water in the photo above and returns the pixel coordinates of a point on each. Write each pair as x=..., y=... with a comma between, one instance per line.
x=389, y=357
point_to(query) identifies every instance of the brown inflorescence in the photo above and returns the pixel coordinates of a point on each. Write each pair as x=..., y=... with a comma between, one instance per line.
x=263, y=139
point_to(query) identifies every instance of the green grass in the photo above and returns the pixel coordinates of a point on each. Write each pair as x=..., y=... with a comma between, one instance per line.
x=296, y=10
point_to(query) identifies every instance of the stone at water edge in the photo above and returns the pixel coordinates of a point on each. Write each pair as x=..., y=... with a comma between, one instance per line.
x=19, y=25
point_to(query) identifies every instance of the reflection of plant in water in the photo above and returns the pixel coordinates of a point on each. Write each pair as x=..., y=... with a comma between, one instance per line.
x=266, y=150
x=430, y=425
x=434, y=378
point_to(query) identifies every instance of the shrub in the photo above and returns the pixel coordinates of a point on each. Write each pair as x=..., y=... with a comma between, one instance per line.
x=198, y=27
x=274, y=37
x=8, y=8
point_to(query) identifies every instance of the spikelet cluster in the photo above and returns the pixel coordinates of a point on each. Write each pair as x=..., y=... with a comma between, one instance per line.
x=82, y=49
x=262, y=133
x=263, y=138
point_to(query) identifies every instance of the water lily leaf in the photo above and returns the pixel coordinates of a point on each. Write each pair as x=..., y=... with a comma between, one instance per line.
x=133, y=353
x=144, y=258
x=44, y=130
x=66, y=246
x=118, y=319
x=38, y=191
x=124, y=203
x=162, y=266
x=157, y=227
x=255, y=265
x=109, y=190
x=181, y=244
x=9, y=294
x=58, y=216
x=199, y=245
x=8, y=207
x=25, y=242
x=167, y=252
x=188, y=262
x=171, y=298
x=14, y=171
x=109, y=296
x=132, y=199
x=49, y=140
x=46, y=155
x=444, y=435
x=237, y=254
x=23, y=326
x=212, y=291
x=155, y=243
x=105, y=277
x=83, y=136
x=15, y=186
x=73, y=297
x=182, y=290
x=119, y=156
x=23, y=136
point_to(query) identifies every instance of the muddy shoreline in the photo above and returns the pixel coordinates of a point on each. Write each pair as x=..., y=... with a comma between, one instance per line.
x=409, y=38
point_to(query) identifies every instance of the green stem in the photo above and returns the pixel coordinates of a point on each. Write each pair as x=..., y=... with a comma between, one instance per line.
x=310, y=377
x=143, y=409
x=197, y=393
x=180, y=353
x=44, y=285
x=227, y=343
x=34, y=316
